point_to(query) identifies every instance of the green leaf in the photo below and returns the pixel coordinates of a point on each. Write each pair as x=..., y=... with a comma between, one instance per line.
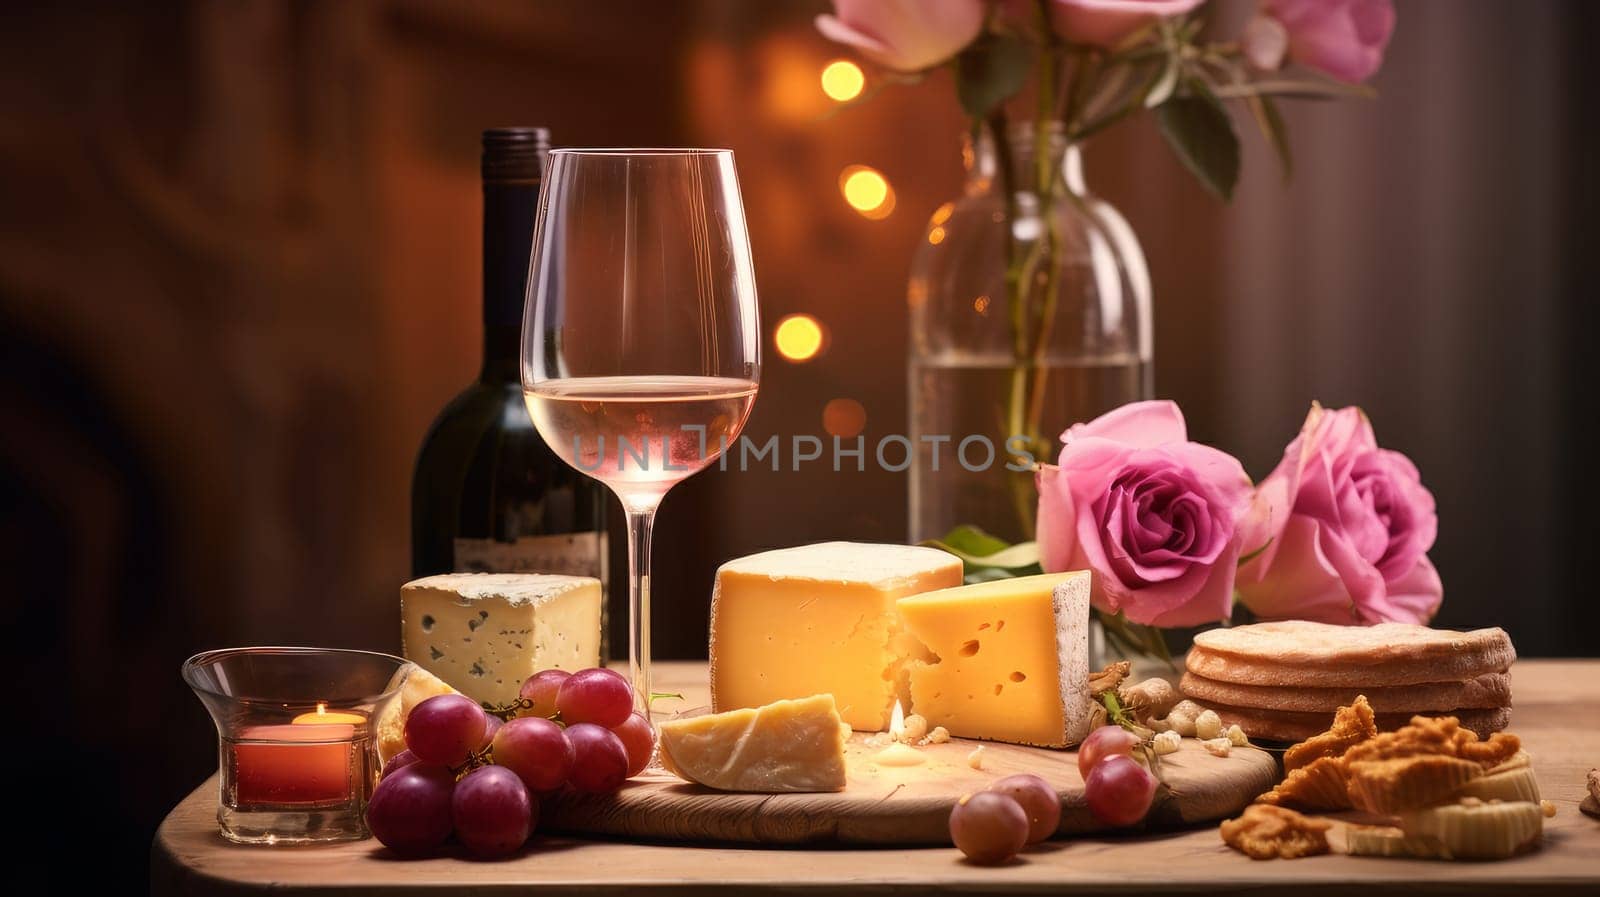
x=977, y=548
x=969, y=539
x=1201, y=134
x=990, y=72
x=985, y=558
x=1273, y=128
x=975, y=574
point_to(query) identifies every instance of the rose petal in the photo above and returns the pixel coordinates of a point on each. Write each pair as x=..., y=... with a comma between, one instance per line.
x=1135, y=425
x=906, y=35
x=1055, y=527
x=1303, y=583
x=1211, y=603
x=1413, y=598
x=1106, y=22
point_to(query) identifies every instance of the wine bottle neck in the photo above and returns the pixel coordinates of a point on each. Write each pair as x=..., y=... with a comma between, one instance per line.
x=508, y=212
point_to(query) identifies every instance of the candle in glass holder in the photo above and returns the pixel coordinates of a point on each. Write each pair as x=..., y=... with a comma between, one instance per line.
x=292, y=770
x=323, y=715
x=294, y=764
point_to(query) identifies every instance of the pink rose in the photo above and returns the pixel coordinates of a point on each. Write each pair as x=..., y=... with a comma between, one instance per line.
x=1153, y=515
x=905, y=35
x=1344, y=38
x=1104, y=23
x=1350, y=525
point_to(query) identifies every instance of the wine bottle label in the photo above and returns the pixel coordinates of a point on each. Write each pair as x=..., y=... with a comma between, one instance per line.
x=575, y=554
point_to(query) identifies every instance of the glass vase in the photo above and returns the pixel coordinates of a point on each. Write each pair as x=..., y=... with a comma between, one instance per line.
x=1030, y=311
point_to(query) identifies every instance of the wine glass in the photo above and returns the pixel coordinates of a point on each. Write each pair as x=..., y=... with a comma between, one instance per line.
x=641, y=347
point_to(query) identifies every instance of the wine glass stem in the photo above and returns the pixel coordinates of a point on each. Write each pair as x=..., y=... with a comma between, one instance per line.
x=640, y=523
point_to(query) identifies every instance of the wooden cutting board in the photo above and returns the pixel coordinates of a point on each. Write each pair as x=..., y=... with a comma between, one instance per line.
x=885, y=805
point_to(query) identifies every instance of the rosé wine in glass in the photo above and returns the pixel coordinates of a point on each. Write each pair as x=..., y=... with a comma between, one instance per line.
x=641, y=334
x=640, y=435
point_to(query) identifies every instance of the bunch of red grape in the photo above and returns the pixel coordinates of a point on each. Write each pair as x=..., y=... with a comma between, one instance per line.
x=467, y=772
x=993, y=826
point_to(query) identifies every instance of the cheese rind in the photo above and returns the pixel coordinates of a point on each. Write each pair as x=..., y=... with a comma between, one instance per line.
x=785, y=746
x=820, y=619
x=484, y=633
x=1011, y=659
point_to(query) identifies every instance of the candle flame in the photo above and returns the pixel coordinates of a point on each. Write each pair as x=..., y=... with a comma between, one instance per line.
x=322, y=708
x=897, y=722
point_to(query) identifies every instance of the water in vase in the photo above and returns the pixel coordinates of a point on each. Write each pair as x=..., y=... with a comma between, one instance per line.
x=962, y=394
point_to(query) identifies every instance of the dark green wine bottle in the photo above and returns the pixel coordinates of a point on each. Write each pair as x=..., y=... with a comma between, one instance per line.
x=489, y=495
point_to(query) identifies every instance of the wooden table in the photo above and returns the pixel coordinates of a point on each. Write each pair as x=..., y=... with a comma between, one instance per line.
x=1557, y=714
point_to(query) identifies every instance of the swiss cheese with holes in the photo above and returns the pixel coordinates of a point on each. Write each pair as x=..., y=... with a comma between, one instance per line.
x=1008, y=660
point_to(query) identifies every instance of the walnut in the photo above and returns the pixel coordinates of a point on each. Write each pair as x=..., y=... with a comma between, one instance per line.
x=1108, y=679
x=1149, y=699
x=1352, y=725
x=1266, y=832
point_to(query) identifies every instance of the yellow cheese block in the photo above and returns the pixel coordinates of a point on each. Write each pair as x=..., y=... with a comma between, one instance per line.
x=1011, y=659
x=786, y=746
x=419, y=686
x=820, y=619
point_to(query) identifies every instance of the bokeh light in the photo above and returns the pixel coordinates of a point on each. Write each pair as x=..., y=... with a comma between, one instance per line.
x=867, y=191
x=844, y=418
x=799, y=337
x=842, y=80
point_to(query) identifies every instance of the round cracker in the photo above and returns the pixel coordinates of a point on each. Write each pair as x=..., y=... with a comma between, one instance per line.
x=1271, y=725
x=1320, y=655
x=1482, y=693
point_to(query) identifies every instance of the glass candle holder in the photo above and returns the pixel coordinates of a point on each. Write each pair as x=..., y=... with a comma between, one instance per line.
x=296, y=746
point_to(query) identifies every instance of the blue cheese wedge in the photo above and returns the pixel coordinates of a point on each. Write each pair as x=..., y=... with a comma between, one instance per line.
x=484, y=633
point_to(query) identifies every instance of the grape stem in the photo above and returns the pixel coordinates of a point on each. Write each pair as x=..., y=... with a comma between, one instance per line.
x=514, y=708
x=1119, y=716
x=484, y=757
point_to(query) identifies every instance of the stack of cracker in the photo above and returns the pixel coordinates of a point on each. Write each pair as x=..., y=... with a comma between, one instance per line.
x=1284, y=681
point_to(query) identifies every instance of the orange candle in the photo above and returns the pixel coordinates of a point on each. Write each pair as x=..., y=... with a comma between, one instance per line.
x=322, y=715
x=293, y=764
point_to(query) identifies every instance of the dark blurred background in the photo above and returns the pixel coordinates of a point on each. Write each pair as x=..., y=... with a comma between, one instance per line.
x=239, y=276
